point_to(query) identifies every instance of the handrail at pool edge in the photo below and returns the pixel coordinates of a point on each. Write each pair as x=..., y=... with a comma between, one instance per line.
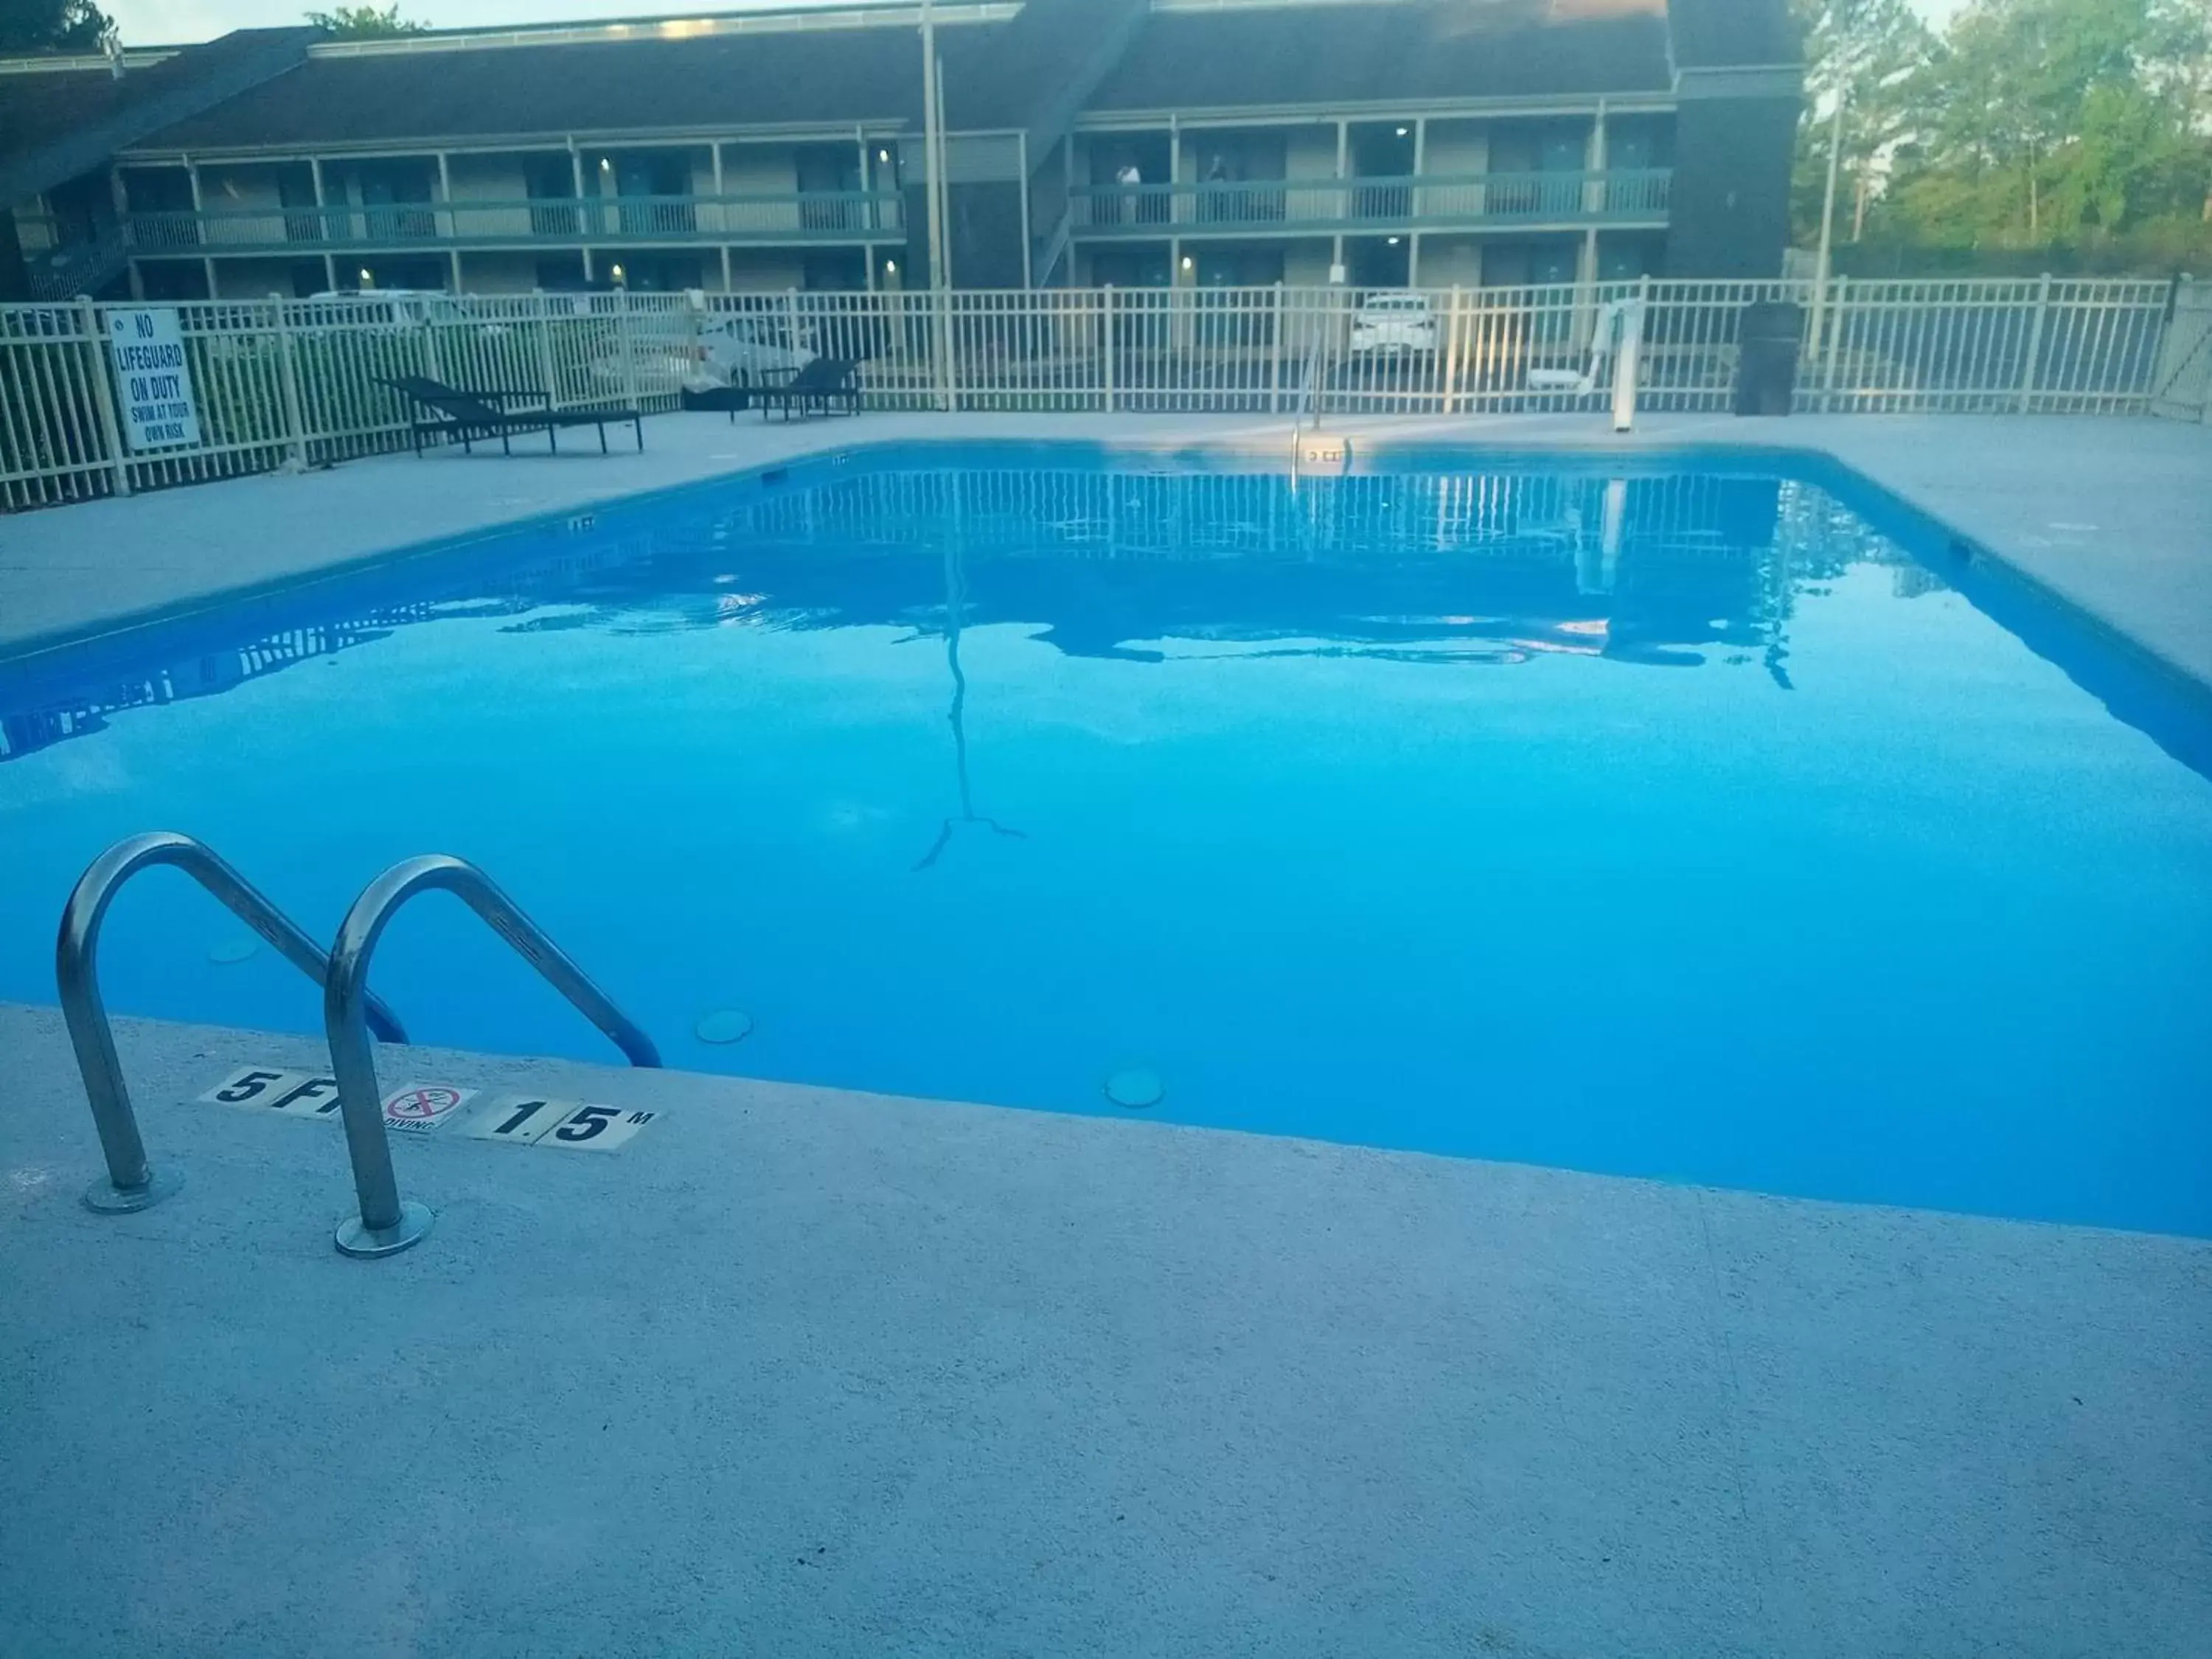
x=131, y=1183
x=385, y=1224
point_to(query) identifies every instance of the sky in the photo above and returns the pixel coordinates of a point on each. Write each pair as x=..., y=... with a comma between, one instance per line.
x=164, y=22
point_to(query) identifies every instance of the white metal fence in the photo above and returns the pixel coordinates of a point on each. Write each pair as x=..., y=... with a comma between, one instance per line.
x=300, y=383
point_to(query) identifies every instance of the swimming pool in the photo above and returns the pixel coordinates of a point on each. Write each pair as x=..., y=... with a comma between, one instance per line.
x=1671, y=818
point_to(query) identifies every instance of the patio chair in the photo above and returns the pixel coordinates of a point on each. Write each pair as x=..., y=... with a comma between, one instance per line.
x=1603, y=323
x=822, y=384
x=469, y=415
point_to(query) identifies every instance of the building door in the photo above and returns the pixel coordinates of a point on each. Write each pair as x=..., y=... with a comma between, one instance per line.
x=397, y=196
x=1381, y=151
x=550, y=179
x=829, y=182
x=1378, y=262
x=655, y=188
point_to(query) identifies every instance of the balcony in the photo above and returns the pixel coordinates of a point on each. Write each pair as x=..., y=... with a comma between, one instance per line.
x=1424, y=201
x=542, y=223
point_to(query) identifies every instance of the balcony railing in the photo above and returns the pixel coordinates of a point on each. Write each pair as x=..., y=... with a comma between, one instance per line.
x=1416, y=202
x=819, y=216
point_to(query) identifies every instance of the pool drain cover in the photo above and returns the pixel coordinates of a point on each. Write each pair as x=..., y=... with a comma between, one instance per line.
x=723, y=1025
x=1134, y=1086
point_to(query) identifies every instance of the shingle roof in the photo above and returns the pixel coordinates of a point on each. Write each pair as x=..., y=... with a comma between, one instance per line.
x=818, y=78
x=1363, y=52
x=56, y=123
x=36, y=109
x=1022, y=73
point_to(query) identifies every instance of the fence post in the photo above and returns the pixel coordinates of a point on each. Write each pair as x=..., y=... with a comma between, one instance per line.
x=790, y=318
x=951, y=354
x=295, y=428
x=2034, y=343
x=1275, y=357
x=1454, y=326
x=546, y=352
x=629, y=350
x=103, y=394
x=1107, y=315
x=432, y=364
x=1835, y=338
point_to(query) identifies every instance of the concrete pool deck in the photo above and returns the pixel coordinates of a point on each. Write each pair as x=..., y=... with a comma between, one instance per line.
x=2113, y=514
x=807, y=1371
x=802, y=1371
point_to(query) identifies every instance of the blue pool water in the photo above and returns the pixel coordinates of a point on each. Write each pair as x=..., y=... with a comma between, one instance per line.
x=1674, y=822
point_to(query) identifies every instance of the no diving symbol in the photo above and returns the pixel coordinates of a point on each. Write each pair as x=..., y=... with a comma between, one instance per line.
x=423, y=1106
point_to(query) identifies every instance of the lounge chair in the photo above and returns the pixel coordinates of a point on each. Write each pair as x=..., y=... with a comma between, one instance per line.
x=822, y=384
x=469, y=415
x=1603, y=324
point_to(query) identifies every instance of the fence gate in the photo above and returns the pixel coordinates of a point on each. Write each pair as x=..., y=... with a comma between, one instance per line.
x=2181, y=385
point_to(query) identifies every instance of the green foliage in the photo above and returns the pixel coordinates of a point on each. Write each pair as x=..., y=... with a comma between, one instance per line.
x=53, y=26
x=366, y=22
x=2079, y=127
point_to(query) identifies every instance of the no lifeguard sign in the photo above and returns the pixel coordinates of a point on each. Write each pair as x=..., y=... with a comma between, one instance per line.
x=153, y=381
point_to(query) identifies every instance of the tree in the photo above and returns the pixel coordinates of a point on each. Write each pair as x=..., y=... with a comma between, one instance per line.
x=363, y=22
x=1869, y=53
x=2061, y=118
x=2082, y=128
x=53, y=26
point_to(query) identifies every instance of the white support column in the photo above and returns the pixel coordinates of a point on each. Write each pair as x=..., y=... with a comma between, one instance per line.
x=864, y=219
x=323, y=220
x=1592, y=197
x=1021, y=148
x=452, y=223
x=1413, y=200
x=207, y=264
x=120, y=199
x=1343, y=196
x=583, y=223
x=1593, y=161
x=721, y=216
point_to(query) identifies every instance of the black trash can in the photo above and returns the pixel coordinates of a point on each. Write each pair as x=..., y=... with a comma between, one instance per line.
x=1767, y=356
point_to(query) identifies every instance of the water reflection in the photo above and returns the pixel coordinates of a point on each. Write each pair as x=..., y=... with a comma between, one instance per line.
x=1471, y=570
x=956, y=602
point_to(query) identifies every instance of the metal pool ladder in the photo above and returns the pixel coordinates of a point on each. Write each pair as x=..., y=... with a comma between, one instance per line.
x=131, y=1183
x=387, y=1223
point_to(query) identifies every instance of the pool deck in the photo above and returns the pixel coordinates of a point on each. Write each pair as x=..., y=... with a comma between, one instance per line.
x=2112, y=514
x=809, y=1372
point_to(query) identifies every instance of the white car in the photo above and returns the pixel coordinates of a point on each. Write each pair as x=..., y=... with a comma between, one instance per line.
x=396, y=308
x=1396, y=322
x=738, y=350
x=722, y=352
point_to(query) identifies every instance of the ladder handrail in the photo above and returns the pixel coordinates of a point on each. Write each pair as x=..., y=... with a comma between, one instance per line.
x=385, y=1224
x=131, y=1183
